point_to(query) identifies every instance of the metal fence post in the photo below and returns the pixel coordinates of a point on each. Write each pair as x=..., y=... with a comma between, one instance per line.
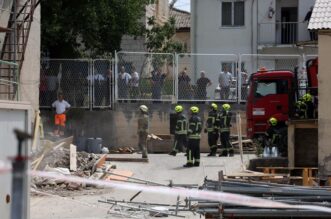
x=115, y=77
x=176, y=79
x=239, y=70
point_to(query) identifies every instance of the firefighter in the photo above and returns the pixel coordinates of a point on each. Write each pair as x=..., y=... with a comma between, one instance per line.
x=277, y=138
x=273, y=137
x=301, y=109
x=225, y=124
x=193, y=134
x=143, y=129
x=212, y=129
x=180, y=131
x=308, y=100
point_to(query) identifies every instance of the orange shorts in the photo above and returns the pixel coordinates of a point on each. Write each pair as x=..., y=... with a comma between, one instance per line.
x=60, y=119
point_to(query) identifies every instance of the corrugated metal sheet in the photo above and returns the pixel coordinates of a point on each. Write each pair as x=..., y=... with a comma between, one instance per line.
x=321, y=16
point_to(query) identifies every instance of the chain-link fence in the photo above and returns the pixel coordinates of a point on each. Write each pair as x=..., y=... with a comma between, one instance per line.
x=102, y=82
x=72, y=78
x=156, y=77
x=250, y=63
x=9, y=81
x=144, y=76
x=206, y=77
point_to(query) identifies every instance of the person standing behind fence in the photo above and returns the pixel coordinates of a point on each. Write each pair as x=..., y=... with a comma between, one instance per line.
x=134, y=84
x=123, y=84
x=61, y=108
x=225, y=79
x=202, y=83
x=157, y=84
x=99, y=88
x=52, y=83
x=184, y=87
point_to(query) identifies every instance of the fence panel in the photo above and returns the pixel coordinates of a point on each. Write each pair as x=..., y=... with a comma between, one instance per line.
x=144, y=76
x=250, y=63
x=211, y=77
x=101, y=83
x=72, y=77
x=9, y=81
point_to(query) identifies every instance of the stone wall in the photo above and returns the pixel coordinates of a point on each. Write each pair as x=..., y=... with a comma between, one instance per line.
x=119, y=127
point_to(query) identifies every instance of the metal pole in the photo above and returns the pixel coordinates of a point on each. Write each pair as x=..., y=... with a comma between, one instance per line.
x=19, y=192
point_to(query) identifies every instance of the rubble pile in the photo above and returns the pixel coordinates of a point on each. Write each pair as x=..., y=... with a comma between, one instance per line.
x=58, y=160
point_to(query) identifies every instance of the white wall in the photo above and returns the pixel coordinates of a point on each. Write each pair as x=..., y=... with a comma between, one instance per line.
x=30, y=73
x=12, y=115
x=324, y=102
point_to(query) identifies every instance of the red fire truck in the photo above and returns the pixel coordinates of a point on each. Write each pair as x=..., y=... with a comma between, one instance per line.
x=273, y=93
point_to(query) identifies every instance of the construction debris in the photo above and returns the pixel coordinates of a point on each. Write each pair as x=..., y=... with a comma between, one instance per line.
x=122, y=150
x=287, y=194
x=127, y=159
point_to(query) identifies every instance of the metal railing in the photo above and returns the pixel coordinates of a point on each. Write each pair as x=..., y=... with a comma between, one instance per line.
x=280, y=33
x=9, y=81
x=133, y=77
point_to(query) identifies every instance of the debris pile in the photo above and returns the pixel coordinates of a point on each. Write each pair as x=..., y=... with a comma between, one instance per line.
x=60, y=157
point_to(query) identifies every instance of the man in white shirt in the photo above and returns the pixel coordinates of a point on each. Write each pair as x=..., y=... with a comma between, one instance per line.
x=123, y=84
x=61, y=108
x=225, y=79
x=134, y=84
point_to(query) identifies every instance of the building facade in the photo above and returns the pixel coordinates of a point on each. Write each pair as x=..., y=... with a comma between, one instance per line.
x=251, y=27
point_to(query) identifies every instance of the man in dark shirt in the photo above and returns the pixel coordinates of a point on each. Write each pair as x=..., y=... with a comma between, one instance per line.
x=201, y=89
x=157, y=84
x=184, y=88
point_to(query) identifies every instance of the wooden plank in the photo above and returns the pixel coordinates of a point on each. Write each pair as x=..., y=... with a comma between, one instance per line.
x=125, y=174
x=254, y=175
x=73, y=157
x=291, y=145
x=289, y=168
x=99, y=163
x=36, y=131
x=39, y=161
x=67, y=141
x=127, y=159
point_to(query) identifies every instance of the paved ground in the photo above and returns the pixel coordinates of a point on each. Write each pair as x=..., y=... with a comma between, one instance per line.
x=161, y=168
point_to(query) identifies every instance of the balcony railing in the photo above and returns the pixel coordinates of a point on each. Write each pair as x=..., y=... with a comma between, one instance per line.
x=281, y=33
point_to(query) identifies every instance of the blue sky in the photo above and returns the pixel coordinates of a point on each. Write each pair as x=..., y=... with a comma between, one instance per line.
x=183, y=5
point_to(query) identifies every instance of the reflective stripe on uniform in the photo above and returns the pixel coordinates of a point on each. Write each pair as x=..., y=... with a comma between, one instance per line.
x=189, y=160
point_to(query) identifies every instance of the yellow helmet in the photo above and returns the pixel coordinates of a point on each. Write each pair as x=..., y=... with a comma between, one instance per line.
x=214, y=106
x=226, y=107
x=194, y=109
x=307, y=97
x=143, y=108
x=273, y=121
x=179, y=109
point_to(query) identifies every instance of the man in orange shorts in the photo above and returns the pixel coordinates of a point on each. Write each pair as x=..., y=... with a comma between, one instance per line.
x=61, y=107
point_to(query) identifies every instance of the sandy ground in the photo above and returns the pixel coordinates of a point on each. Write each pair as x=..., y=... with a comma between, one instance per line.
x=161, y=168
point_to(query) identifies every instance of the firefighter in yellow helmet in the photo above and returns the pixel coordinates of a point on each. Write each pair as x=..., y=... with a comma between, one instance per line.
x=143, y=126
x=212, y=128
x=180, y=131
x=225, y=124
x=276, y=144
x=193, y=135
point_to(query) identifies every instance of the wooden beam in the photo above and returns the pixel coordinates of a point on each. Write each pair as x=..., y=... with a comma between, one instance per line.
x=127, y=159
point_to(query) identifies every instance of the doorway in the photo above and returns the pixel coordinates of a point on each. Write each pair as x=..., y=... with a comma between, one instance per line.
x=289, y=25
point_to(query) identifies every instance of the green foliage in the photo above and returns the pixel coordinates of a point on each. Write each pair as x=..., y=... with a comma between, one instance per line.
x=73, y=28
x=159, y=37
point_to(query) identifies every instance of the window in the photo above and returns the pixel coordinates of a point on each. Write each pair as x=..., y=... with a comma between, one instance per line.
x=233, y=13
x=267, y=87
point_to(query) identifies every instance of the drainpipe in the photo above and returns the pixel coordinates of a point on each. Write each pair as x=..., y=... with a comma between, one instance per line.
x=194, y=35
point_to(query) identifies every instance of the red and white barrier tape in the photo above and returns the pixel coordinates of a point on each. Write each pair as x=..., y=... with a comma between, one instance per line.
x=194, y=193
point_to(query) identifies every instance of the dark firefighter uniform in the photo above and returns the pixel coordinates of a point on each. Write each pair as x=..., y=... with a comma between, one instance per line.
x=193, y=134
x=143, y=129
x=225, y=124
x=301, y=110
x=212, y=129
x=180, y=131
x=276, y=133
